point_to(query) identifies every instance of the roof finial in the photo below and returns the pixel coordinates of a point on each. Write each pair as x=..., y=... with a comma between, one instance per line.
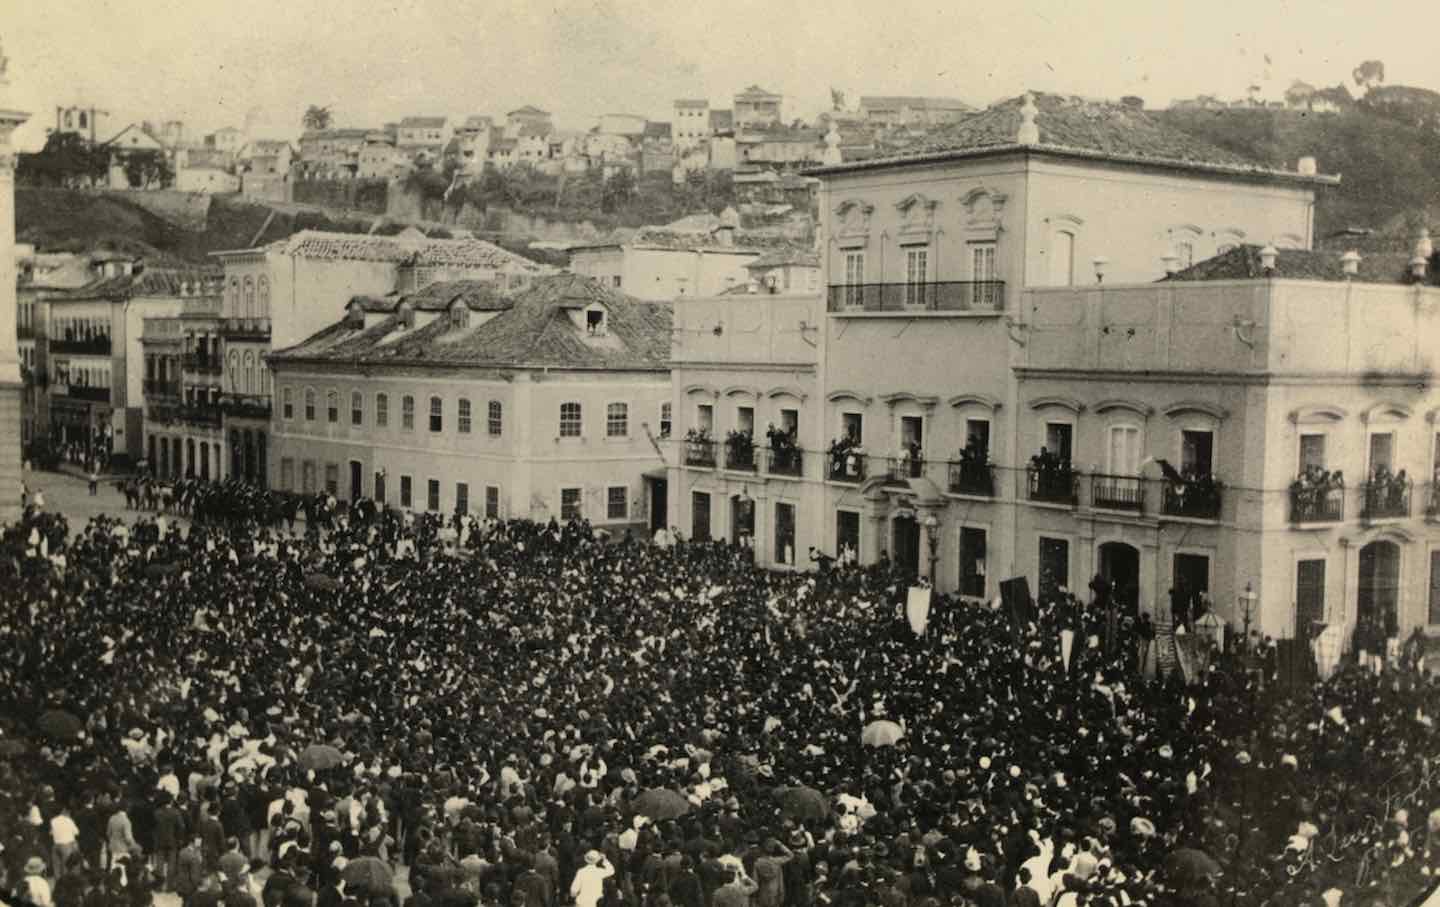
x=832, y=146
x=1029, y=133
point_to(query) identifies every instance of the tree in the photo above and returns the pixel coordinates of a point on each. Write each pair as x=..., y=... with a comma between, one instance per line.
x=317, y=118
x=1369, y=74
x=837, y=100
x=618, y=189
x=1132, y=102
x=1299, y=94
x=67, y=160
x=147, y=169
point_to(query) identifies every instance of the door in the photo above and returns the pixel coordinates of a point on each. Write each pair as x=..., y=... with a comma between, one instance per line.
x=1120, y=567
x=784, y=533
x=1191, y=577
x=742, y=518
x=658, y=503
x=380, y=488
x=912, y=444
x=906, y=535
x=1378, y=596
x=356, y=481
x=699, y=516
x=1054, y=567
x=1309, y=596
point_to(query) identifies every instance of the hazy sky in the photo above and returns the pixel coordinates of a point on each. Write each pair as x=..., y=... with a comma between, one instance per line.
x=209, y=62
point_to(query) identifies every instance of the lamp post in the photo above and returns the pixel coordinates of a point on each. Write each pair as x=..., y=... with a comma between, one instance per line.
x=932, y=535
x=1100, y=264
x=1247, y=605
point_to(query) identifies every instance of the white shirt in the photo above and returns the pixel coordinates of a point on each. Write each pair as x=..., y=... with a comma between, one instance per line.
x=63, y=830
x=39, y=891
x=589, y=884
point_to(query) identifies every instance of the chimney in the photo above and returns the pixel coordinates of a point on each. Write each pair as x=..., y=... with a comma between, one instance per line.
x=1307, y=166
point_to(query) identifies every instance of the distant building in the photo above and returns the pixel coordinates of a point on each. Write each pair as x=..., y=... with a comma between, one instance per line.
x=379, y=158
x=629, y=125
x=757, y=107
x=136, y=138
x=911, y=111
x=664, y=263
x=227, y=139
x=546, y=403
x=690, y=121
x=80, y=120
x=423, y=138
x=527, y=116
x=204, y=170
x=780, y=146
x=266, y=156
x=332, y=153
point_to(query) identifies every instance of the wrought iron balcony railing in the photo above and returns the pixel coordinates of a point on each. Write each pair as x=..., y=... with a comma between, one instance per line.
x=740, y=456
x=933, y=296
x=1053, y=485
x=969, y=477
x=788, y=461
x=1317, y=503
x=1198, y=498
x=248, y=328
x=700, y=453
x=89, y=346
x=902, y=468
x=250, y=406
x=846, y=466
x=1387, y=498
x=1111, y=492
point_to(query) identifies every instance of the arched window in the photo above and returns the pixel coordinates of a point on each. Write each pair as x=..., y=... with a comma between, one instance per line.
x=234, y=372
x=462, y=414
x=332, y=406
x=570, y=420
x=287, y=404
x=382, y=410
x=407, y=413
x=1062, y=259
x=263, y=286
x=496, y=419
x=249, y=372
x=233, y=302
x=357, y=408
x=309, y=404
x=437, y=414
x=249, y=310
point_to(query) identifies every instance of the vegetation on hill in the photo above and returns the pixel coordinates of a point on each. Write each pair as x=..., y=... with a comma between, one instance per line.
x=1384, y=147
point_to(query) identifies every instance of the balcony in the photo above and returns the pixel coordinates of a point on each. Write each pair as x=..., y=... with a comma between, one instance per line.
x=1053, y=485
x=164, y=389
x=740, y=452
x=248, y=406
x=973, y=478
x=786, y=461
x=202, y=415
x=1197, y=498
x=985, y=296
x=1385, y=497
x=1317, y=500
x=846, y=463
x=901, y=469
x=1108, y=492
x=700, y=451
x=245, y=328
x=206, y=365
x=90, y=346
x=93, y=394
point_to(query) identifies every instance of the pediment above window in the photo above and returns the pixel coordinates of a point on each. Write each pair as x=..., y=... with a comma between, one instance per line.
x=984, y=212
x=852, y=222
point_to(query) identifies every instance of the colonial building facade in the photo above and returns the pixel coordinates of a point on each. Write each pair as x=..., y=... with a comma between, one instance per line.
x=542, y=402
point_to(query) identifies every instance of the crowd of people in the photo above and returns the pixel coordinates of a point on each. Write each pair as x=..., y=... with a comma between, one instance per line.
x=524, y=714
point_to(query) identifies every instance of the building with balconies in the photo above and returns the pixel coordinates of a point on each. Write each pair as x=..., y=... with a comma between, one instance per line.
x=545, y=401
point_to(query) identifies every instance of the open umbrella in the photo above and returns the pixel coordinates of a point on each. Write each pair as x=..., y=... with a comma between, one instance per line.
x=1188, y=865
x=371, y=874
x=59, y=724
x=881, y=733
x=322, y=581
x=320, y=756
x=659, y=803
x=802, y=803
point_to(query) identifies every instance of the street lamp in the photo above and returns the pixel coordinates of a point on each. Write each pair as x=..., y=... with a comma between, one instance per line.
x=1100, y=264
x=1247, y=604
x=932, y=534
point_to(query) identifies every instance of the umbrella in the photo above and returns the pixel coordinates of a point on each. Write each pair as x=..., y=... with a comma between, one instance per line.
x=59, y=724
x=659, y=803
x=320, y=756
x=881, y=733
x=802, y=803
x=13, y=747
x=322, y=581
x=370, y=873
x=1188, y=865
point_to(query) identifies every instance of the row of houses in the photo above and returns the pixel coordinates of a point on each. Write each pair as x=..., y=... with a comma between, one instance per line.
x=1072, y=343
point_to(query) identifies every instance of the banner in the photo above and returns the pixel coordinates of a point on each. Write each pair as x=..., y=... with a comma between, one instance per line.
x=917, y=608
x=1067, y=644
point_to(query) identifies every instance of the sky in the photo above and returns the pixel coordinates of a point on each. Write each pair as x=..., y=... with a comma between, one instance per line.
x=214, y=63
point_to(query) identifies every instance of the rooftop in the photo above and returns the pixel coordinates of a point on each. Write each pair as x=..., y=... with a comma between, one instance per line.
x=1077, y=127
x=692, y=102
x=804, y=258
x=529, y=110
x=1243, y=263
x=533, y=328
x=756, y=93
x=149, y=282
x=423, y=122
x=405, y=248
x=915, y=103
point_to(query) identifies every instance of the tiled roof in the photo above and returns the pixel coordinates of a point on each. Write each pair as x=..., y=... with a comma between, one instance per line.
x=691, y=102
x=471, y=253
x=528, y=110
x=269, y=146
x=149, y=282
x=479, y=121
x=804, y=258
x=1076, y=126
x=1243, y=263
x=755, y=93
x=531, y=329
x=533, y=131
x=358, y=134
x=403, y=249
x=698, y=241
x=423, y=122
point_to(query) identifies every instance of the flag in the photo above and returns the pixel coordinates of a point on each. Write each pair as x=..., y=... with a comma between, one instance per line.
x=1067, y=644
x=917, y=608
